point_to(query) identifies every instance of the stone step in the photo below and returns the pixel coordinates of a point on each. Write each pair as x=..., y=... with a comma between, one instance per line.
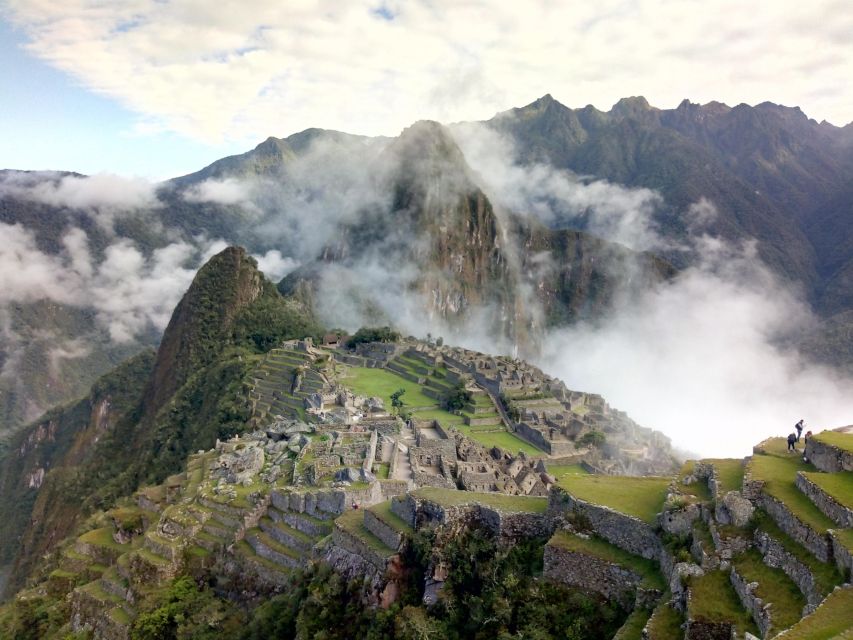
x=216, y=528
x=287, y=535
x=163, y=547
x=273, y=571
x=211, y=541
x=268, y=548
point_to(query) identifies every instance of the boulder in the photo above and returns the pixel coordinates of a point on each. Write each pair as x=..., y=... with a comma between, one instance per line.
x=734, y=509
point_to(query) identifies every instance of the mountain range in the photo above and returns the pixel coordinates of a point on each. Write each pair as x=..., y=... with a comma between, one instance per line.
x=412, y=224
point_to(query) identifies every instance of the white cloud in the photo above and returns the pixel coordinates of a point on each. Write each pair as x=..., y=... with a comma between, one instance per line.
x=244, y=70
x=229, y=191
x=701, y=358
x=275, y=266
x=103, y=196
x=131, y=293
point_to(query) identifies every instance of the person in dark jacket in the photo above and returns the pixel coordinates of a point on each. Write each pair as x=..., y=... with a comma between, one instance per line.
x=799, y=427
x=792, y=441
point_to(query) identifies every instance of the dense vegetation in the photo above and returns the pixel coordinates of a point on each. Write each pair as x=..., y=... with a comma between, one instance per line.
x=372, y=334
x=490, y=592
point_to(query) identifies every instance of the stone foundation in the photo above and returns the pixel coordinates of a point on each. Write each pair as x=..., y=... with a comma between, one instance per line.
x=589, y=573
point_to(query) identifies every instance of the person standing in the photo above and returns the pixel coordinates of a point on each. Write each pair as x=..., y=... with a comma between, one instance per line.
x=799, y=427
x=792, y=441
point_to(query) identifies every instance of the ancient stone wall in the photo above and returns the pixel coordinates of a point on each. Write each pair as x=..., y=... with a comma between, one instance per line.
x=751, y=602
x=389, y=536
x=587, y=572
x=842, y=555
x=626, y=532
x=345, y=540
x=835, y=511
x=777, y=557
x=817, y=543
x=828, y=458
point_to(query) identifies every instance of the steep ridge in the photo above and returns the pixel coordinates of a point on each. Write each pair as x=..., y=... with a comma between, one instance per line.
x=470, y=257
x=111, y=443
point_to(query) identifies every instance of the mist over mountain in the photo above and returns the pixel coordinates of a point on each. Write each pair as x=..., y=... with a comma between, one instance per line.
x=493, y=234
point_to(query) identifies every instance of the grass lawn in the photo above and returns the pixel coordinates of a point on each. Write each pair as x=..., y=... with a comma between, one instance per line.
x=845, y=536
x=445, y=418
x=773, y=586
x=665, y=623
x=833, y=619
x=598, y=548
x=456, y=498
x=353, y=523
x=641, y=497
x=559, y=471
x=729, y=473
x=713, y=598
x=836, y=439
x=382, y=383
x=779, y=469
x=103, y=538
x=632, y=628
x=838, y=485
x=384, y=513
x=382, y=470
x=503, y=439
x=698, y=489
x=826, y=574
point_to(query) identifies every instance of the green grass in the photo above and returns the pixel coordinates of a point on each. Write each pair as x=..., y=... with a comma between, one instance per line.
x=713, y=599
x=384, y=513
x=382, y=383
x=773, y=586
x=455, y=498
x=603, y=550
x=729, y=473
x=641, y=497
x=353, y=523
x=445, y=418
x=665, y=623
x=503, y=439
x=102, y=537
x=382, y=470
x=698, y=489
x=778, y=469
x=831, y=620
x=839, y=440
x=838, y=485
x=826, y=574
x=845, y=537
x=703, y=534
x=632, y=628
x=559, y=471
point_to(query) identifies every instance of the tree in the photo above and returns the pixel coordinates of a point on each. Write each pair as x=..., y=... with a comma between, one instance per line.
x=592, y=439
x=397, y=398
x=458, y=397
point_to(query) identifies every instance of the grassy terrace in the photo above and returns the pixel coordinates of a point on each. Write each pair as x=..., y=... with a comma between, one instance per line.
x=103, y=538
x=384, y=513
x=503, y=439
x=773, y=586
x=641, y=497
x=353, y=523
x=560, y=471
x=729, y=473
x=713, y=598
x=826, y=574
x=632, y=628
x=831, y=620
x=778, y=469
x=839, y=440
x=455, y=498
x=838, y=485
x=603, y=550
x=665, y=623
x=699, y=489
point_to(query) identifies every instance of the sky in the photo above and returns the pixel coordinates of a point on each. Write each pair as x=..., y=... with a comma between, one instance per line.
x=158, y=88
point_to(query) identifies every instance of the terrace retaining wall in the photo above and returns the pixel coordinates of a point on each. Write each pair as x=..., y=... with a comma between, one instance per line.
x=828, y=458
x=776, y=556
x=626, y=532
x=834, y=510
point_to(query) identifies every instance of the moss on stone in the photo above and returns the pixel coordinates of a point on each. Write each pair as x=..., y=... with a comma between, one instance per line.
x=499, y=501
